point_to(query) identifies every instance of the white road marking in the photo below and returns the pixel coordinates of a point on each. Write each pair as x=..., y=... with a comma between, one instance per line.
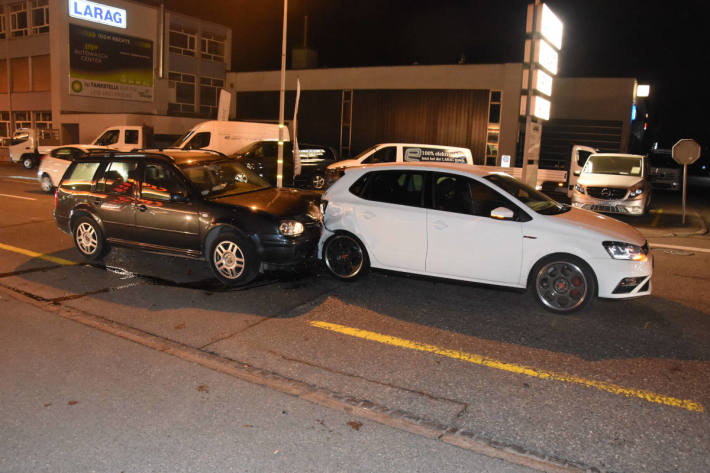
x=675, y=247
x=17, y=197
x=24, y=178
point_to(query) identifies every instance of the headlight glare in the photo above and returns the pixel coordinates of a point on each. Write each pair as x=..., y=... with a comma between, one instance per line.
x=291, y=228
x=625, y=251
x=636, y=192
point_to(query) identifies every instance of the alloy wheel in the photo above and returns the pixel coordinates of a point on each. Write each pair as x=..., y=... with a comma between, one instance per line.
x=344, y=256
x=86, y=238
x=561, y=286
x=229, y=259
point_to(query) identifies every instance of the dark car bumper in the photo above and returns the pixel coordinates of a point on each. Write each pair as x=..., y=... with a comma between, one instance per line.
x=280, y=253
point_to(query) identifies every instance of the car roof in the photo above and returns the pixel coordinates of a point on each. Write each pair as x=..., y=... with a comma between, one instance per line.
x=179, y=157
x=618, y=155
x=465, y=168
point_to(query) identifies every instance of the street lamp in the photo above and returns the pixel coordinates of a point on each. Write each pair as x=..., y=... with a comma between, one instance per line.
x=282, y=95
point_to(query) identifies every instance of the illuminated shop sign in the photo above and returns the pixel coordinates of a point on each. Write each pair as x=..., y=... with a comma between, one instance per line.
x=97, y=13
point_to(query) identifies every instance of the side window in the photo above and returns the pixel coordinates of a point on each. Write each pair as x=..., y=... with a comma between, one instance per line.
x=383, y=155
x=200, y=140
x=82, y=177
x=582, y=156
x=395, y=187
x=108, y=138
x=66, y=154
x=459, y=194
x=131, y=137
x=119, y=178
x=159, y=182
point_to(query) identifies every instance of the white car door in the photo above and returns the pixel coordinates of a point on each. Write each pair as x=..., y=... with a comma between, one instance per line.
x=464, y=242
x=391, y=220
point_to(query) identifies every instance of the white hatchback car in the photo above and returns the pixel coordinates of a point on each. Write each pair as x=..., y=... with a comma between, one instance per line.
x=53, y=164
x=459, y=222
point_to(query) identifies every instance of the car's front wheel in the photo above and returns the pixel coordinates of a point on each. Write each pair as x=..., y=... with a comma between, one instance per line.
x=318, y=181
x=345, y=257
x=28, y=161
x=45, y=183
x=233, y=259
x=563, y=283
x=88, y=238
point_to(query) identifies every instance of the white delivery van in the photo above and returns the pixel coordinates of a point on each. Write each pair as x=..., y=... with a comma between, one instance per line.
x=228, y=137
x=401, y=152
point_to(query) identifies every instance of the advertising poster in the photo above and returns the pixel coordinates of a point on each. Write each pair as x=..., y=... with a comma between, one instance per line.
x=110, y=65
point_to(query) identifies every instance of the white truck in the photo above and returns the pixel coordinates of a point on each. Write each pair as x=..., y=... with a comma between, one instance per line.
x=228, y=137
x=552, y=180
x=28, y=144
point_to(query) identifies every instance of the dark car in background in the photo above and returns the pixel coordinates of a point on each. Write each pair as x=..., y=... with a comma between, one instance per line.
x=194, y=204
x=664, y=172
x=261, y=156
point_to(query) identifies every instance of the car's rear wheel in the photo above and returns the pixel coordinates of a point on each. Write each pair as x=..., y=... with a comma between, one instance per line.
x=88, y=238
x=563, y=283
x=345, y=257
x=233, y=259
x=28, y=161
x=45, y=183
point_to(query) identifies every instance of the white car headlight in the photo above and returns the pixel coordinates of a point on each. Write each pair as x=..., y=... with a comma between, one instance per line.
x=636, y=191
x=627, y=251
x=291, y=227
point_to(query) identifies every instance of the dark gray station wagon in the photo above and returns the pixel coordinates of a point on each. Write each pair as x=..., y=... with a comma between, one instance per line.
x=194, y=204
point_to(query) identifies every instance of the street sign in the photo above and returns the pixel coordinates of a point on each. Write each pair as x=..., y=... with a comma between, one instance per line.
x=686, y=151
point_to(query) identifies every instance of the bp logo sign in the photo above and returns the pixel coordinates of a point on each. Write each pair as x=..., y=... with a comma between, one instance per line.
x=77, y=87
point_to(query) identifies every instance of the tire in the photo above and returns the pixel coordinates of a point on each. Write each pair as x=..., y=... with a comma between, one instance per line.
x=45, y=183
x=318, y=181
x=233, y=259
x=88, y=238
x=563, y=284
x=345, y=257
x=28, y=161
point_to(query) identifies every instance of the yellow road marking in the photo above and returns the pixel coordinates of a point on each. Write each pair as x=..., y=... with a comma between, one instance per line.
x=511, y=367
x=34, y=254
x=657, y=217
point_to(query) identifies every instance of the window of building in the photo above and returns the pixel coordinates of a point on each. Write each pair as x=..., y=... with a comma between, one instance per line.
x=20, y=74
x=493, y=136
x=18, y=19
x=5, y=124
x=212, y=46
x=182, y=40
x=43, y=122
x=3, y=23
x=40, y=16
x=209, y=92
x=22, y=119
x=41, y=73
x=184, y=85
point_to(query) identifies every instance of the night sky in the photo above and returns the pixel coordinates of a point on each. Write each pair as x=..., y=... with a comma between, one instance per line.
x=666, y=44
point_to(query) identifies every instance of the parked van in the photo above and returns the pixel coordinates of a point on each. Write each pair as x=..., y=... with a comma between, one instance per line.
x=228, y=137
x=399, y=153
x=664, y=172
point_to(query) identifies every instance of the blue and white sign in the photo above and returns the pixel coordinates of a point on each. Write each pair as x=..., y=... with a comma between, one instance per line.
x=97, y=13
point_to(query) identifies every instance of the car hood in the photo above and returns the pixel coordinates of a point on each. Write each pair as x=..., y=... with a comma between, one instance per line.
x=609, y=180
x=604, y=226
x=282, y=202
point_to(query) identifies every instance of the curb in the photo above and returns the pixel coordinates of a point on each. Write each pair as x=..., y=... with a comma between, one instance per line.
x=396, y=418
x=653, y=232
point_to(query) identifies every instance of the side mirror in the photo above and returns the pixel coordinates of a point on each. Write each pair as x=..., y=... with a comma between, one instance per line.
x=577, y=172
x=502, y=213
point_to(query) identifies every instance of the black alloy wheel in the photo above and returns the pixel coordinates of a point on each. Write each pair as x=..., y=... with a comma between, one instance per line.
x=563, y=284
x=345, y=257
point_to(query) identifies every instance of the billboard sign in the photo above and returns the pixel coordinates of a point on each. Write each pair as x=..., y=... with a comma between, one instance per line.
x=97, y=13
x=109, y=65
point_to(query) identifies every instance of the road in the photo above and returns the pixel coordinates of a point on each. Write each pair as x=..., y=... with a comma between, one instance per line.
x=624, y=386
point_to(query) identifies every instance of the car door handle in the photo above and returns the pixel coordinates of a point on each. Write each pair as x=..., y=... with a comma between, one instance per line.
x=142, y=207
x=367, y=215
x=439, y=224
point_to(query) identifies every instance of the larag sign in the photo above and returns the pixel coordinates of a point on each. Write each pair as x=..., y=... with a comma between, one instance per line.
x=97, y=13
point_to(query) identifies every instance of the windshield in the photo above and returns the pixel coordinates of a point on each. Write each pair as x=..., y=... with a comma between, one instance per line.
x=223, y=177
x=537, y=201
x=660, y=159
x=182, y=140
x=621, y=165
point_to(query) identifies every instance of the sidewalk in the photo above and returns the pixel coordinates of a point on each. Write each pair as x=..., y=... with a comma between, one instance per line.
x=668, y=222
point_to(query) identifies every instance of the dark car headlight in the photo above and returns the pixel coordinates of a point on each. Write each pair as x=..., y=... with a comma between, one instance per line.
x=622, y=250
x=291, y=228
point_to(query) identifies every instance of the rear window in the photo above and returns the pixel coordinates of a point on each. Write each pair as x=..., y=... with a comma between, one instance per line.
x=438, y=155
x=81, y=177
x=394, y=187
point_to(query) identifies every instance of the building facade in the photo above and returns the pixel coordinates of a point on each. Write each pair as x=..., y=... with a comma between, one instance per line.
x=74, y=67
x=476, y=106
